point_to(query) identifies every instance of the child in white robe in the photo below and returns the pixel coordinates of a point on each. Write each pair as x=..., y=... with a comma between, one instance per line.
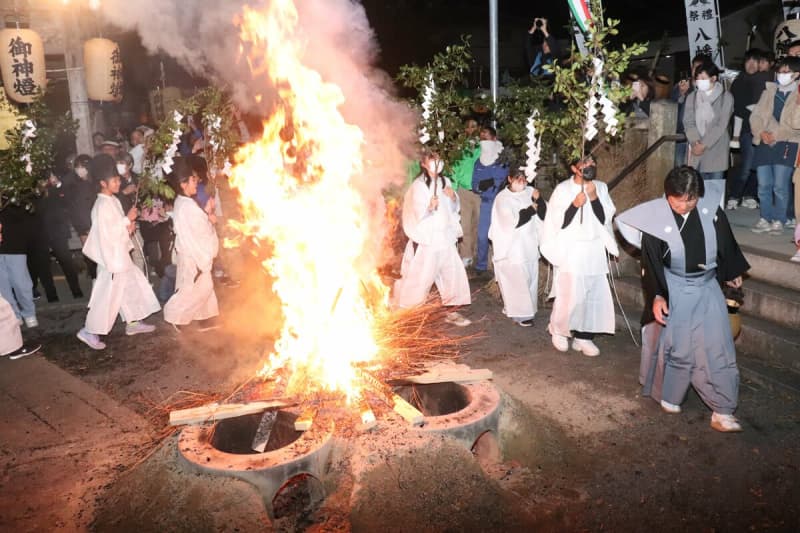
x=577, y=235
x=196, y=245
x=120, y=287
x=517, y=216
x=431, y=222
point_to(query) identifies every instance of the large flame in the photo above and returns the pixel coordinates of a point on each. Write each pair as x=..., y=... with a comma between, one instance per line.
x=296, y=194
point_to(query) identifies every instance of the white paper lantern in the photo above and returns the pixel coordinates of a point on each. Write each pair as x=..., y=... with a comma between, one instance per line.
x=103, y=66
x=786, y=32
x=22, y=63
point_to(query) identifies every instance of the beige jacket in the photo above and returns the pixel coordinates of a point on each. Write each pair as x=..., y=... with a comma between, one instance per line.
x=761, y=119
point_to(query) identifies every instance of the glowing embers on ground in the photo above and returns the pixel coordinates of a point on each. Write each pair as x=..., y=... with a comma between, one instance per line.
x=296, y=193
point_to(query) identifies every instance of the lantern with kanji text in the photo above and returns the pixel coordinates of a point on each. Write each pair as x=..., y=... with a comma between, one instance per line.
x=103, y=66
x=22, y=63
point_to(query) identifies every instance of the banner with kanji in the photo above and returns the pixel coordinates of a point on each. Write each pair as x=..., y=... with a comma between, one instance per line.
x=702, y=24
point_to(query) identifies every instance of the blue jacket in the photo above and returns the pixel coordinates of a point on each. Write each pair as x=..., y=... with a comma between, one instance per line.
x=488, y=180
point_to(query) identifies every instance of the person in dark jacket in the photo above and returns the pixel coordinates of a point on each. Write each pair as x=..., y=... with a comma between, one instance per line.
x=541, y=49
x=52, y=234
x=81, y=194
x=746, y=90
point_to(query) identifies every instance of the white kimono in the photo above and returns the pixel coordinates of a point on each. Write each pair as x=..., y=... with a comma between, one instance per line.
x=120, y=287
x=578, y=254
x=516, y=253
x=431, y=255
x=196, y=245
x=10, y=334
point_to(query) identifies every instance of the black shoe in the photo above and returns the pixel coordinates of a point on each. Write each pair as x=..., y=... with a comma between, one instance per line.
x=36, y=295
x=77, y=295
x=52, y=299
x=24, y=351
x=524, y=323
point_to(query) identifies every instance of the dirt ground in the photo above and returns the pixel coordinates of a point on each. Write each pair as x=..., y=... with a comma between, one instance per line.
x=581, y=450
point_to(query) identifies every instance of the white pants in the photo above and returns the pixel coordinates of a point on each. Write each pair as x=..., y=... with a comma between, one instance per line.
x=194, y=297
x=583, y=303
x=519, y=287
x=429, y=265
x=124, y=293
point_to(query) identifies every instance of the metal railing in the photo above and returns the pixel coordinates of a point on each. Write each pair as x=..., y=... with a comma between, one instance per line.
x=676, y=138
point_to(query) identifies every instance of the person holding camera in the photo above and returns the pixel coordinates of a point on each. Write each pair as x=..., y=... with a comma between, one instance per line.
x=541, y=48
x=577, y=235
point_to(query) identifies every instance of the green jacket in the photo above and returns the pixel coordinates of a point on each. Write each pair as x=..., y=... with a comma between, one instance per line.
x=462, y=169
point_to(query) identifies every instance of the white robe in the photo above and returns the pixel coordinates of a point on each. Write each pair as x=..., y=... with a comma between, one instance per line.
x=578, y=254
x=10, y=334
x=196, y=245
x=436, y=258
x=516, y=253
x=120, y=287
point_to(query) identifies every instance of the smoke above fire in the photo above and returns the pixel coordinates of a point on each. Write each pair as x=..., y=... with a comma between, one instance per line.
x=339, y=44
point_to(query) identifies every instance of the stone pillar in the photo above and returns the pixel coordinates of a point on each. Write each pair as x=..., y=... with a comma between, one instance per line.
x=663, y=121
x=79, y=100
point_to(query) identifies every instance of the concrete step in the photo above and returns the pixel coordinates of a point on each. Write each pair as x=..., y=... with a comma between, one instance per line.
x=773, y=267
x=770, y=342
x=777, y=304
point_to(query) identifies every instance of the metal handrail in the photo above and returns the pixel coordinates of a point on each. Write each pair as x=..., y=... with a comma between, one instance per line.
x=676, y=137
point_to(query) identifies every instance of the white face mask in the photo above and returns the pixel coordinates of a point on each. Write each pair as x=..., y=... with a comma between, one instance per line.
x=122, y=169
x=81, y=172
x=784, y=78
x=635, y=86
x=517, y=186
x=435, y=166
x=703, y=85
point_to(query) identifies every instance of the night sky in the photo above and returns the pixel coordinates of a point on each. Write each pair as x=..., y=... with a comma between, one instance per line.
x=413, y=30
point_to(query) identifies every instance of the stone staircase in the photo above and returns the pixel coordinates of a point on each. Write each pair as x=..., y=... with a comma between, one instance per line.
x=768, y=347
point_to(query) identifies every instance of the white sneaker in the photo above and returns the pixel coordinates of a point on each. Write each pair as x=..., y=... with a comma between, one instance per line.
x=725, y=423
x=670, y=407
x=762, y=226
x=732, y=204
x=586, y=346
x=31, y=321
x=750, y=203
x=791, y=223
x=457, y=319
x=90, y=339
x=136, y=327
x=776, y=228
x=796, y=257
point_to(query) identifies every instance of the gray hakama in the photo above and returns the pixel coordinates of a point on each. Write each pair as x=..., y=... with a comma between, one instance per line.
x=695, y=347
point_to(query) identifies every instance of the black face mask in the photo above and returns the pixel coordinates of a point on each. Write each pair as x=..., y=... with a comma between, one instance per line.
x=589, y=173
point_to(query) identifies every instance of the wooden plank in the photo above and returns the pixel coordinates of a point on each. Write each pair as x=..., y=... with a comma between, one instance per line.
x=305, y=420
x=263, y=432
x=215, y=411
x=455, y=375
x=367, y=416
x=398, y=404
x=410, y=413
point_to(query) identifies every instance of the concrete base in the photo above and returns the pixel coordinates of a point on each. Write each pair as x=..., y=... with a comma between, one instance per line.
x=481, y=414
x=267, y=471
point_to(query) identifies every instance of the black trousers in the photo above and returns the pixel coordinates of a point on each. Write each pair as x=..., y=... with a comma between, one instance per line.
x=39, y=266
x=160, y=237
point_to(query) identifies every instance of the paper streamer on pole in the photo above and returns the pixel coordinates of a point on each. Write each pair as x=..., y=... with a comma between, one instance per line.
x=427, y=105
x=534, y=150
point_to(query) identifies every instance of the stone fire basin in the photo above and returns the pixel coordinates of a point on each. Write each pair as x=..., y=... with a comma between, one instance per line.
x=463, y=412
x=268, y=471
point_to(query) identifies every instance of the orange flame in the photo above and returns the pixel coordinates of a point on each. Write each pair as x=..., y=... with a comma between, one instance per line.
x=296, y=192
